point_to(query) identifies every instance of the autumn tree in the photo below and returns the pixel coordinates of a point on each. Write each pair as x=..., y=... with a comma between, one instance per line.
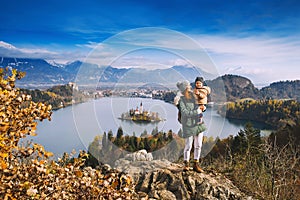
x=18, y=115
x=94, y=151
x=26, y=172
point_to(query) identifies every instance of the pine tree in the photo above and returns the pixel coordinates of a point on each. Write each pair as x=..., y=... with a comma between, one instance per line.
x=104, y=141
x=253, y=138
x=247, y=140
x=119, y=138
x=132, y=144
x=110, y=135
x=154, y=131
x=119, y=133
x=170, y=135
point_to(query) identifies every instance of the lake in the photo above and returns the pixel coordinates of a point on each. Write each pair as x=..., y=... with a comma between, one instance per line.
x=75, y=127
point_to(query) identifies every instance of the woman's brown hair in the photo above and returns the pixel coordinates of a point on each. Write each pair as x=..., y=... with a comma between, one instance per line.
x=187, y=94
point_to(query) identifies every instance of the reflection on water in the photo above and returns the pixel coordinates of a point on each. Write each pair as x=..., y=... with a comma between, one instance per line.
x=75, y=127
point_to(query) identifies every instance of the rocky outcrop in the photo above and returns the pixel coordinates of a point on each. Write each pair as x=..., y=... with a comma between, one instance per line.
x=140, y=155
x=161, y=179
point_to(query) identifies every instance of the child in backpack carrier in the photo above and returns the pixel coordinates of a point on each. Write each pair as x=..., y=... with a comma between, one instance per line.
x=201, y=92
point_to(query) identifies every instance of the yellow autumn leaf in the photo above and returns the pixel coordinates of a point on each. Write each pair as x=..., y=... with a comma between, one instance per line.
x=27, y=185
x=78, y=173
x=3, y=165
x=48, y=154
x=42, y=162
x=128, y=181
x=115, y=184
x=3, y=155
x=33, y=134
x=8, y=196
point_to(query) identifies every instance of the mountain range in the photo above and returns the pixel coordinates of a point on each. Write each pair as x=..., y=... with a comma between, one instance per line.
x=41, y=73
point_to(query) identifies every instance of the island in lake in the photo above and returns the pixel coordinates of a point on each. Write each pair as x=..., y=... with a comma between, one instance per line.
x=141, y=115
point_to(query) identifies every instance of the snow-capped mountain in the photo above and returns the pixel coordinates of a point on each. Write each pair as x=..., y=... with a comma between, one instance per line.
x=42, y=72
x=53, y=63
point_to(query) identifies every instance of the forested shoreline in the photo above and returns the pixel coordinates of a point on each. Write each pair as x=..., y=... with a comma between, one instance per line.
x=274, y=112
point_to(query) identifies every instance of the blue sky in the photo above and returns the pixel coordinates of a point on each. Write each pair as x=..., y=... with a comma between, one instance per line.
x=257, y=39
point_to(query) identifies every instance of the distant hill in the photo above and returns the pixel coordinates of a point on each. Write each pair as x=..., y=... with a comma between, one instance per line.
x=238, y=87
x=58, y=96
x=282, y=90
x=235, y=87
x=153, y=86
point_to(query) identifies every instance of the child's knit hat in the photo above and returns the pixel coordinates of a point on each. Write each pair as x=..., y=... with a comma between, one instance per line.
x=201, y=79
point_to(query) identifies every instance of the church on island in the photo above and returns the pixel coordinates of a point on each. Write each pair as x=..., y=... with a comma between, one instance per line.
x=141, y=115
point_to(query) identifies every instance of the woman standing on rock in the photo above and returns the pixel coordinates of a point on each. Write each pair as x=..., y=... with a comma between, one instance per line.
x=192, y=130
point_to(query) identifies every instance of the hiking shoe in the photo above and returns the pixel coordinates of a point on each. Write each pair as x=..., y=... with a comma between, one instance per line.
x=186, y=166
x=196, y=167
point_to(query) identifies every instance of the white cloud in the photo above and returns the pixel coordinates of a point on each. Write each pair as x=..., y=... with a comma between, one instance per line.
x=179, y=62
x=262, y=59
x=163, y=47
x=7, y=49
x=62, y=56
x=140, y=59
x=89, y=45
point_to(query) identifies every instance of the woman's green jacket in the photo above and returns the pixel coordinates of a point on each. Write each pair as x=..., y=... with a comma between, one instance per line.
x=189, y=117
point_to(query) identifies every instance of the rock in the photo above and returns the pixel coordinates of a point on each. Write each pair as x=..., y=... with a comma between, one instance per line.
x=161, y=179
x=140, y=155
